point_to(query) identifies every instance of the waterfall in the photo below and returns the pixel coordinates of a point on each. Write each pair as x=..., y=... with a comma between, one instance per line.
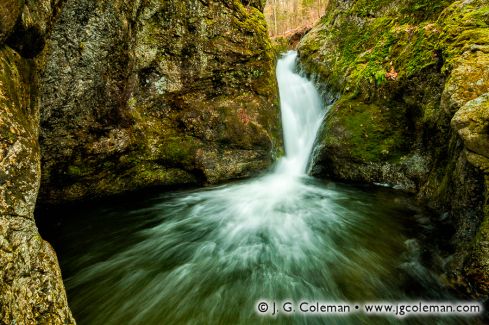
x=302, y=114
x=211, y=254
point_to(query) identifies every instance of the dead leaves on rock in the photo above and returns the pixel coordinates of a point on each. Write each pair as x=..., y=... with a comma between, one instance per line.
x=392, y=74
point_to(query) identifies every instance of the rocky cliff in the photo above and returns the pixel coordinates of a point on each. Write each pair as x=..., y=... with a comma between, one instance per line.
x=140, y=93
x=121, y=95
x=411, y=85
x=31, y=288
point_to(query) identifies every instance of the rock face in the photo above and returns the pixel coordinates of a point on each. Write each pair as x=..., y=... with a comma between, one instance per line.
x=122, y=95
x=412, y=84
x=31, y=288
x=141, y=93
x=9, y=12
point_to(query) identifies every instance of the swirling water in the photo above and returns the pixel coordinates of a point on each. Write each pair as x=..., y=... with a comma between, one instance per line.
x=208, y=256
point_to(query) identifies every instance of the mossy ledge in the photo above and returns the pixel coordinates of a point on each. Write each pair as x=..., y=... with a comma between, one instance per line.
x=411, y=81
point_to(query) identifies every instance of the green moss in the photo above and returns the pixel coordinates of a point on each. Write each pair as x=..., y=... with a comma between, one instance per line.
x=443, y=175
x=420, y=10
x=370, y=132
x=250, y=19
x=75, y=170
x=178, y=150
x=478, y=266
x=280, y=45
x=465, y=27
x=359, y=53
x=373, y=44
x=371, y=50
x=483, y=233
x=364, y=8
x=153, y=174
x=16, y=101
x=81, y=169
x=9, y=78
x=391, y=61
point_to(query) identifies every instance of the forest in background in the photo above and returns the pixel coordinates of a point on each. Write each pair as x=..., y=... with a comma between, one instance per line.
x=284, y=17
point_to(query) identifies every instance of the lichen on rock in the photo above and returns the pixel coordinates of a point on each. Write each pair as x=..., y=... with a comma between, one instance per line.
x=411, y=78
x=156, y=93
x=31, y=287
x=9, y=13
x=472, y=122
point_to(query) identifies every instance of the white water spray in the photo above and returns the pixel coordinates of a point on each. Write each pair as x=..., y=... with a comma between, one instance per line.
x=215, y=252
x=302, y=114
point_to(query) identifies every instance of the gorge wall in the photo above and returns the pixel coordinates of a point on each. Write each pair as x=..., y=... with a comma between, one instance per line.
x=139, y=93
x=31, y=288
x=104, y=97
x=411, y=85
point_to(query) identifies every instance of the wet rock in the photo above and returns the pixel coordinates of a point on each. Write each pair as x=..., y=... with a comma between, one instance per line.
x=156, y=93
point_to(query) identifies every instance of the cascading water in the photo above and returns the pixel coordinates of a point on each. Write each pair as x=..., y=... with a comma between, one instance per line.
x=302, y=114
x=209, y=256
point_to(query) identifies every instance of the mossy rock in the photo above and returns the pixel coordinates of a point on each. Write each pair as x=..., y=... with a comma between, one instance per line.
x=427, y=62
x=9, y=13
x=182, y=81
x=365, y=132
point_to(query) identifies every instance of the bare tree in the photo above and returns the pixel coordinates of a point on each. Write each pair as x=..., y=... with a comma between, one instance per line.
x=285, y=16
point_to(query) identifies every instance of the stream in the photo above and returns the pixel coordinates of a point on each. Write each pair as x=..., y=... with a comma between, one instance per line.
x=209, y=256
